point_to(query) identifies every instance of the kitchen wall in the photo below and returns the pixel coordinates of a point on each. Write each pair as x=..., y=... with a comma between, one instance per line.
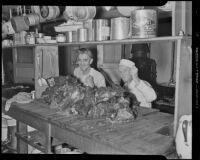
x=161, y=53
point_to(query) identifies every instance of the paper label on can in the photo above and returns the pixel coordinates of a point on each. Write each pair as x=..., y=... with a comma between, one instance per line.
x=105, y=31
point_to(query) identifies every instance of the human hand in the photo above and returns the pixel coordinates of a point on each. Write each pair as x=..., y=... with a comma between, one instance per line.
x=134, y=74
x=90, y=81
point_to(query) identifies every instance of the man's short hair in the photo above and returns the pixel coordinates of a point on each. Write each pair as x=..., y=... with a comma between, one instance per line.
x=85, y=51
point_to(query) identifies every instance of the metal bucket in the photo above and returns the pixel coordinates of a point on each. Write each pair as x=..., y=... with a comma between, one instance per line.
x=144, y=23
x=19, y=24
x=102, y=29
x=120, y=28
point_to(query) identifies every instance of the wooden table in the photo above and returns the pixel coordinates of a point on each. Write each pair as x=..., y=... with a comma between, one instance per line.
x=147, y=135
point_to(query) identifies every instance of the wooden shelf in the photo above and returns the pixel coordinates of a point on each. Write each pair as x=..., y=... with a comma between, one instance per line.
x=125, y=41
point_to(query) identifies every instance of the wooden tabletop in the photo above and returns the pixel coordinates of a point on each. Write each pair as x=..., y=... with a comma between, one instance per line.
x=149, y=134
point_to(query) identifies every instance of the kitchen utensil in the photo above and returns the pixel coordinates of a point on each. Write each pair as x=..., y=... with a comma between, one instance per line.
x=79, y=13
x=144, y=23
x=126, y=10
x=171, y=80
x=19, y=24
x=41, y=80
x=36, y=9
x=102, y=29
x=120, y=28
x=32, y=19
x=42, y=75
x=39, y=74
x=61, y=38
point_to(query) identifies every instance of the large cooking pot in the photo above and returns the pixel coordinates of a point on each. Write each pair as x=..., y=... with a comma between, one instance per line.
x=19, y=24
x=32, y=19
x=36, y=9
x=79, y=13
x=50, y=12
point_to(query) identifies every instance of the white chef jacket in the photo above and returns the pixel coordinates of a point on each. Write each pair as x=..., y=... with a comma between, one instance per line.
x=99, y=80
x=144, y=93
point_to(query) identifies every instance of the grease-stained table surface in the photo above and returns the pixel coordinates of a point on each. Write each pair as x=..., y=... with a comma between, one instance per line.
x=149, y=134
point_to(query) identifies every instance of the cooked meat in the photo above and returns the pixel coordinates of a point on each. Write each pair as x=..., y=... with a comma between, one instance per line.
x=70, y=96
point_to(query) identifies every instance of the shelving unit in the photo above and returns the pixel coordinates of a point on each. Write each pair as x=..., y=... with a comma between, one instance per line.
x=125, y=41
x=181, y=54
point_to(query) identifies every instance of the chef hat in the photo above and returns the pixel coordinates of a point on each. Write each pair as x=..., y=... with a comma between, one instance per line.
x=127, y=63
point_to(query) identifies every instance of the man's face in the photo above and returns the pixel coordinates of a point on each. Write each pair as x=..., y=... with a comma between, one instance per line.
x=84, y=61
x=125, y=73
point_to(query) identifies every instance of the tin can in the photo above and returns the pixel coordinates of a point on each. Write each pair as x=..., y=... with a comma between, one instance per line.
x=102, y=29
x=69, y=36
x=120, y=28
x=144, y=23
x=82, y=35
x=89, y=24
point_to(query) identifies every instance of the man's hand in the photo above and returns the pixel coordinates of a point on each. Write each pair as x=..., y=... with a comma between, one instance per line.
x=134, y=74
x=90, y=81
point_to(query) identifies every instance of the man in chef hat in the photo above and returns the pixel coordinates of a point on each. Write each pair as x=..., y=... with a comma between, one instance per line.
x=88, y=75
x=143, y=91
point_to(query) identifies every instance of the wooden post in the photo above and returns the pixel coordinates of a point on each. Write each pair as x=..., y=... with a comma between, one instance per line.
x=22, y=147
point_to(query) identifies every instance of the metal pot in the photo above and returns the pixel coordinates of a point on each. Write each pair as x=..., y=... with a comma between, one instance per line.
x=32, y=19
x=19, y=24
x=102, y=29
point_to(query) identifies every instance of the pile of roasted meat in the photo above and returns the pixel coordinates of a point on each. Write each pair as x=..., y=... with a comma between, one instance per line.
x=68, y=94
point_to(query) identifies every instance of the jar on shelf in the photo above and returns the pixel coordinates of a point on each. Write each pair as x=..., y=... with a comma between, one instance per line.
x=61, y=38
x=30, y=38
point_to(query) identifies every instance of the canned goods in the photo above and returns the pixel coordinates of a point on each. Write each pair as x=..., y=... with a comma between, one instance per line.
x=102, y=29
x=120, y=28
x=144, y=23
x=69, y=36
x=82, y=35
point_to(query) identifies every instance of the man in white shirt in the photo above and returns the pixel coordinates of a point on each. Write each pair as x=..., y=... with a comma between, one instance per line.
x=143, y=91
x=88, y=75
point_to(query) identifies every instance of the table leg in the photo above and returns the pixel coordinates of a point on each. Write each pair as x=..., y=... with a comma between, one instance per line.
x=22, y=147
x=48, y=139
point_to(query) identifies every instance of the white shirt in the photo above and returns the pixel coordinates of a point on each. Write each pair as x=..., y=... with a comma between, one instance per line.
x=99, y=80
x=144, y=93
